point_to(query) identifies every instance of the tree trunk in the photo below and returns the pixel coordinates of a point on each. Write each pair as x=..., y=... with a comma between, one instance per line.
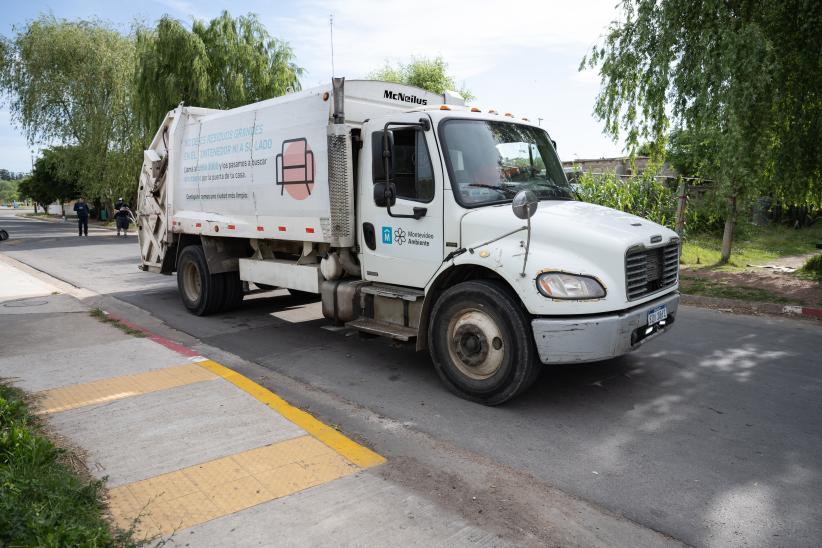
x=680, y=207
x=728, y=235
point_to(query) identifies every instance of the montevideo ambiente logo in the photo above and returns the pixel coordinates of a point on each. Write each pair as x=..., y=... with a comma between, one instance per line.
x=399, y=96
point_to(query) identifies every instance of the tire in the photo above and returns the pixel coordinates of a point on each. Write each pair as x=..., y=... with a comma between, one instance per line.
x=3, y=235
x=480, y=342
x=202, y=293
x=232, y=291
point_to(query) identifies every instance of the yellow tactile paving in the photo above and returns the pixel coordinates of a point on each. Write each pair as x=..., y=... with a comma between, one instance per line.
x=354, y=452
x=115, y=388
x=203, y=492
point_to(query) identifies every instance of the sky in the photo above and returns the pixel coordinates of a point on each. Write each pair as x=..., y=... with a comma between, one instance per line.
x=516, y=56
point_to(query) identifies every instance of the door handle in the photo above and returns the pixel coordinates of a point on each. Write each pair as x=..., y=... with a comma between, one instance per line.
x=419, y=213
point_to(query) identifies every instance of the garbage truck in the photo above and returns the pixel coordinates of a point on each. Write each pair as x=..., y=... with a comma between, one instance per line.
x=411, y=216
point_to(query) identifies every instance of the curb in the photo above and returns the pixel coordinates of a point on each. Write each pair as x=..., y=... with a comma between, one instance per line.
x=751, y=307
x=355, y=453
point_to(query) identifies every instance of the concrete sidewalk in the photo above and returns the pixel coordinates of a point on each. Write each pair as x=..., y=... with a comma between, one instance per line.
x=195, y=452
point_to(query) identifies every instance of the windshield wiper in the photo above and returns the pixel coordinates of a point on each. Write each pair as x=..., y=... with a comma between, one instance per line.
x=498, y=188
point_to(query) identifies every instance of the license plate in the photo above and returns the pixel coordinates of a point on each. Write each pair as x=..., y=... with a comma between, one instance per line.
x=657, y=314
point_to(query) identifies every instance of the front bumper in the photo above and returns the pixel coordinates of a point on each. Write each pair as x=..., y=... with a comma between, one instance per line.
x=595, y=338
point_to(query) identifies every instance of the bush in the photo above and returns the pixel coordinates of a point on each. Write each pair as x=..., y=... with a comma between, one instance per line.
x=813, y=268
x=42, y=502
x=643, y=195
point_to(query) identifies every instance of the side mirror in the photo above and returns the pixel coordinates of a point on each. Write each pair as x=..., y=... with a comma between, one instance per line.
x=385, y=194
x=525, y=204
x=377, y=156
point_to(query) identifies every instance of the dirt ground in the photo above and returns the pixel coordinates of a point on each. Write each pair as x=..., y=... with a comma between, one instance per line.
x=781, y=286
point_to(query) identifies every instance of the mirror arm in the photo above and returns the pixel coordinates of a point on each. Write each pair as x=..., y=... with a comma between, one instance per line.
x=527, y=248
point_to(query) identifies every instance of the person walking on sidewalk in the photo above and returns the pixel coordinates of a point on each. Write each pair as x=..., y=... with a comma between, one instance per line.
x=81, y=208
x=122, y=217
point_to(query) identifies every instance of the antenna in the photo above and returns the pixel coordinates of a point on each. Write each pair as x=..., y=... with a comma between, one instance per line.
x=331, y=25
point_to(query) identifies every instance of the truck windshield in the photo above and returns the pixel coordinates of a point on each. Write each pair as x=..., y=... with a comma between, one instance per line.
x=489, y=162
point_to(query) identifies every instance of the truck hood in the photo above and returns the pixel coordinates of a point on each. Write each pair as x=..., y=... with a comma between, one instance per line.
x=568, y=222
x=567, y=236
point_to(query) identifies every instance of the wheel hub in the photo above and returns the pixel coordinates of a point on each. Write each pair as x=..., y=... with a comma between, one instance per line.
x=475, y=344
x=470, y=344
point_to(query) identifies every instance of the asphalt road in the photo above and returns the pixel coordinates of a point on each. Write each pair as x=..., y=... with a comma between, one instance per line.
x=711, y=434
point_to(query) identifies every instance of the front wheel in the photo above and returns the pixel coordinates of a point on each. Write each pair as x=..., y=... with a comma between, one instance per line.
x=480, y=343
x=3, y=235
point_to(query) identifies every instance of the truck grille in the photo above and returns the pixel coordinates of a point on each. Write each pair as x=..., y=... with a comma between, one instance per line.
x=650, y=270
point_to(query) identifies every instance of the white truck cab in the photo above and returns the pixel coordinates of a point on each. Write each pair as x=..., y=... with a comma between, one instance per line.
x=414, y=217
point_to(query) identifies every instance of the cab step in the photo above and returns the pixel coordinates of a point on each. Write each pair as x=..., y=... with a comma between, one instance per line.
x=393, y=292
x=383, y=329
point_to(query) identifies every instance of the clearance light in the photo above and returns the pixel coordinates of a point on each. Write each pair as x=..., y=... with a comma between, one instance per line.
x=526, y=120
x=475, y=109
x=492, y=111
x=509, y=114
x=445, y=107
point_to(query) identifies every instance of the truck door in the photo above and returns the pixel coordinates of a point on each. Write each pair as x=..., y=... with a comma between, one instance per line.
x=396, y=247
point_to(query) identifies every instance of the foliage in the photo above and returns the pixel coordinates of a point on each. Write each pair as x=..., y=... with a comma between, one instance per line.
x=422, y=72
x=6, y=175
x=8, y=191
x=54, y=178
x=743, y=76
x=745, y=73
x=67, y=82
x=642, y=195
x=692, y=154
x=42, y=502
x=223, y=64
x=813, y=268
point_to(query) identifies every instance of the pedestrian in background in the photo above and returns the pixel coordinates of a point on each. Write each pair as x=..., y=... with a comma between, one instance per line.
x=122, y=219
x=82, y=211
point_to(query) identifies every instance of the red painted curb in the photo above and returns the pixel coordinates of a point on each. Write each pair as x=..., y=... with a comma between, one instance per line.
x=812, y=312
x=171, y=345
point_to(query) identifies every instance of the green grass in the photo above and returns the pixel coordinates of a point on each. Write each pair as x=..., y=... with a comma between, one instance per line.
x=812, y=269
x=753, y=245
x=105, y=318
x=724, y=290
x=43, y=502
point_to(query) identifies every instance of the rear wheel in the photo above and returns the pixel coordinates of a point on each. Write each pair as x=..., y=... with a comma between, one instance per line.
x=480, y=343
x=233, y=290
x=3, y=235
x=202, y=292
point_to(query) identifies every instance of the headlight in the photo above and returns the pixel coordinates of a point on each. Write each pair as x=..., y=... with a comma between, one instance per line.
x=557, y=285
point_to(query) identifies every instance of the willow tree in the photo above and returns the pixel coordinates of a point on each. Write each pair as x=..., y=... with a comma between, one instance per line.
x=422, y=72
x=744, y=76
x=68, y=82
x=225, y=63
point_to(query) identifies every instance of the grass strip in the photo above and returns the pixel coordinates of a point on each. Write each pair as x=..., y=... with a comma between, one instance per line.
x=711, y=288
x=105, y=318
x=753, y=245
x=43, y=501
